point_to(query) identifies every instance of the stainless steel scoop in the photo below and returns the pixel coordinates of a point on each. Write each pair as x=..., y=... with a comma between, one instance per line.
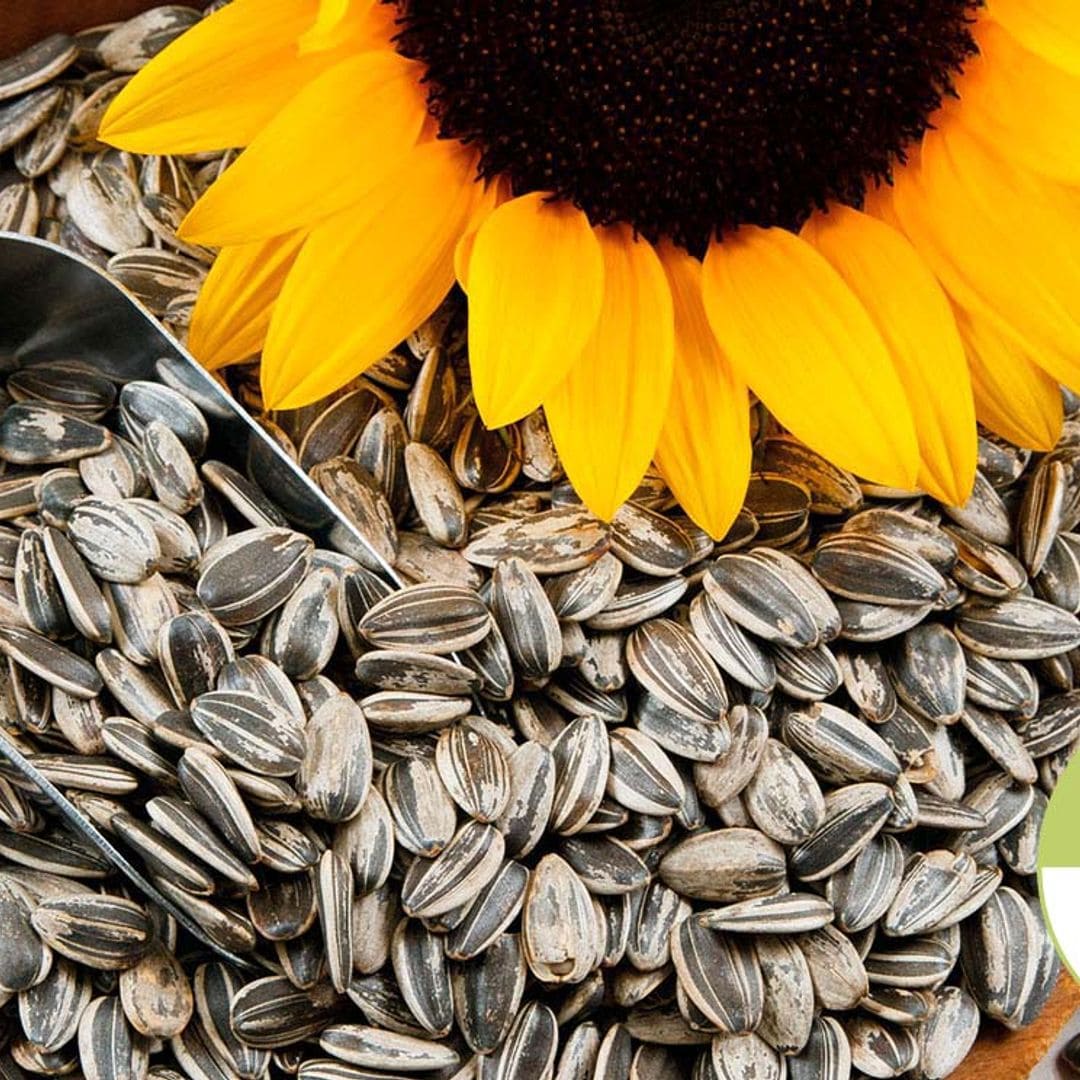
x=57, y=305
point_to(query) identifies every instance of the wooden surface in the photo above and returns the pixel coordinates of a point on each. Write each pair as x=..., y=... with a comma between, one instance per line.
x=22, y=22
x=1011, y=1055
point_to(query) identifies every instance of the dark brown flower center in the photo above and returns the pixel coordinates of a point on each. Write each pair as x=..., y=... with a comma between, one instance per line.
x=686, y=118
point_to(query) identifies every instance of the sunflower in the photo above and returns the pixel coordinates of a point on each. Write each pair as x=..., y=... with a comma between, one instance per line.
x=864, y=212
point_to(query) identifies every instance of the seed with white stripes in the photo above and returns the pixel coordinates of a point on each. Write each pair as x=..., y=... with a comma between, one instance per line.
x=582, y=757
x=758, y=596
x=101, y=931
x=334, y=774
x=37, y=435
x=488, y=992
x=720, y=974
x=437, y=619
x=783, y=799
x=423, y=812
x=788, y=1002
x=862, y=891
x=526, y=618
x=788, y=913
x=247, y=575
x=475, y=772
x=456, y=875
x=853, y=816
x=1002, y=946
x=49, y=1011
x=255, y=733
x=116, y=541
x=948, y=1033
x=670, y=663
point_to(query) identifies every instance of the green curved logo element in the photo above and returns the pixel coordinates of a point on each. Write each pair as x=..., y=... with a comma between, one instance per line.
x=1059, y=867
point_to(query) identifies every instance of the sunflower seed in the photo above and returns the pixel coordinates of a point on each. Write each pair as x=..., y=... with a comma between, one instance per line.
x=156, y=996
x=582, y=756
x=438, y=619
x=214, y=794
x=529, y=1049
x=1020, y=628
x=249, y=574
x=788, y=1003
x=108, y=1046
x=1000, y=955
x=720, y=974
x=791, y=913
x=853, y=816
x=488, y=992
x=671, y=664
x=553, y=542
x=423, y=812
x=37, y=65
x=726, y=865
x=35, y=434
x=49, y=1011
x=100, y=931
x=759, y=596
x=456, y=875
x=783, y=799
x=948, y=1033
x=26, y=959
x=558, y=924
x=423, y=976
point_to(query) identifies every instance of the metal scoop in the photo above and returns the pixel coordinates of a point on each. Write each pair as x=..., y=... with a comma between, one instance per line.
x=57, y=305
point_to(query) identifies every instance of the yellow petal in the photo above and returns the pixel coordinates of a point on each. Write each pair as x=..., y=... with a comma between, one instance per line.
x=331, y=22
x=806, y=346
x=232, y=314
x=217, y=84
x=1003, y=242
x=498, y=193
x=367, y=277
x=704, y=448
x=606, y=415
x=913, y=317
x=1013, y=397
x=1022, y=105
x=1047, y=27
x=341, y=135
x=535, y=288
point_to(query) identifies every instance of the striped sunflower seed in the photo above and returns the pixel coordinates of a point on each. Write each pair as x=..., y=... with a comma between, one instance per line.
x=255, y=733
x=104, y=932
x=438, y=619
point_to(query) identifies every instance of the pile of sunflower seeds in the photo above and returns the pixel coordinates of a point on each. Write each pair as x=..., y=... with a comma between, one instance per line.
x=579, y=800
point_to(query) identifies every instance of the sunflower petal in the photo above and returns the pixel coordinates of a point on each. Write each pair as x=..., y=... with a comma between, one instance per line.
x=912, y=314
x=1047, y=27
x=367, y=277
x=606, y=415
x=1002, y=241
x=176, y=104
x=1012, y=98
x=1013, y=397
x=359, y=120
x=704, y=448
x=535, y=288
x=330, y=23
x=232, y=313
x=800, y=338
x=497, y=192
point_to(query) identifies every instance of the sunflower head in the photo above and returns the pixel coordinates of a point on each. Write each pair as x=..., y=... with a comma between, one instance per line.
x=864, y=212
